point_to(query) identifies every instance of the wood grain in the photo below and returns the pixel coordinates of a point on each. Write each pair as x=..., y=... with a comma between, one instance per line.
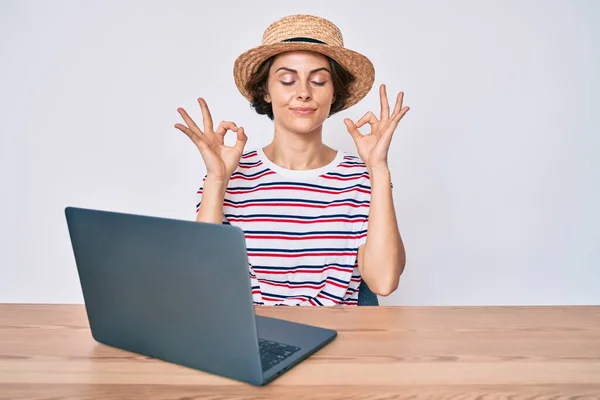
x=47, y=352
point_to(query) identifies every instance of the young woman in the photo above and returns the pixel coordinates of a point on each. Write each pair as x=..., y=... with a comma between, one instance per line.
x=317, y=220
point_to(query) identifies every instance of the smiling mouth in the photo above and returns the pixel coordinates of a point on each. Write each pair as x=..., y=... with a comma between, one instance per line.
x=303, y=111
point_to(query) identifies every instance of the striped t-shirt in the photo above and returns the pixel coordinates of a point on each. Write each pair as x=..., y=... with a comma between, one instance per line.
x=302, y=228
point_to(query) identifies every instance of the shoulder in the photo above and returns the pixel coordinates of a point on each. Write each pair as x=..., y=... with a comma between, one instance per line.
x=249, y=156
x=248, y=163
x=352, y=159
x=250, y=172
x=352, y=164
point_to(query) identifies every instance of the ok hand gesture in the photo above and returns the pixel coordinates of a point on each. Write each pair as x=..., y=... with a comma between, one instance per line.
x=220, y=160
x=373, y=147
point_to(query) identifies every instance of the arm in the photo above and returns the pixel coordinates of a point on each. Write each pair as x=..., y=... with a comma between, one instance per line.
x=211, y=211
x=220, y=160
x=382, y=258
x=211, y=206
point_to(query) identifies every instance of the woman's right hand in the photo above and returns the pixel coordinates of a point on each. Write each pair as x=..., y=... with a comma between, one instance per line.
x=220, y=160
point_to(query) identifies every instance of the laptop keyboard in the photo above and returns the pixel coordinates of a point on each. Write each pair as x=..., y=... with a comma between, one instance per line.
x=272, y=353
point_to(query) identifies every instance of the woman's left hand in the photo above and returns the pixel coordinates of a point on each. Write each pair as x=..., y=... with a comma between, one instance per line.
x=373, y=147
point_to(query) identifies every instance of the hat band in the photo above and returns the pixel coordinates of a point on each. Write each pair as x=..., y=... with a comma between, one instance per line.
x=303, y=39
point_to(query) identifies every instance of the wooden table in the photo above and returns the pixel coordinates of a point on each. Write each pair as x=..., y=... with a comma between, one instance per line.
x=47, y=352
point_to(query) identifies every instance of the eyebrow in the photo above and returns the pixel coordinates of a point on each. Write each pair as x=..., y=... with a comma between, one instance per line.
x=295, y=72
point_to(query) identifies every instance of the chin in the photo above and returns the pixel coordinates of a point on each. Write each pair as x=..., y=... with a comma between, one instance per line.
x=304, y=126
x=301, y=123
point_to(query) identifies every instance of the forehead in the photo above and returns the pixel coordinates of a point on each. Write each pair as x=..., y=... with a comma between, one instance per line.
x=300, y=60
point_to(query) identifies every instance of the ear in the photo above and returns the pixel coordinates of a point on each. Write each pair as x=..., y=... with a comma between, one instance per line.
x=267, y=98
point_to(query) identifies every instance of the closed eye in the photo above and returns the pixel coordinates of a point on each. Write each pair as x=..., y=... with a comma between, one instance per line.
x=316, y=83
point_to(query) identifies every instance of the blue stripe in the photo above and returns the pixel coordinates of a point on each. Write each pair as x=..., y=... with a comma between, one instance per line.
x=304, y=250
x=307, y=282
x=331, y=295
x=347, y=175
x=249, y=163
x=249, y=175
x=283, y=297
x=339, y=280
x=306, y=233
x=297, y=216
x=354, y=162
x=272, y=268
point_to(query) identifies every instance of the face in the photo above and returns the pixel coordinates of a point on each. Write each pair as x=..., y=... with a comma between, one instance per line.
x=300, y=90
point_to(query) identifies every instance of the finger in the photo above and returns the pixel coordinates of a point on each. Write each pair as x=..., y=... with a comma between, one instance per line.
x=197, y=139
x=367, y=118
x=352, y=129
x=241, y=140
x=206, y=117
x=386, y=137
x=385, y=106
x=224, y=126
x=396, y=119
x=189, y=121
x=398, y=107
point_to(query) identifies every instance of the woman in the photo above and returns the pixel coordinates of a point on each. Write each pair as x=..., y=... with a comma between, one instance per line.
x=317, y=220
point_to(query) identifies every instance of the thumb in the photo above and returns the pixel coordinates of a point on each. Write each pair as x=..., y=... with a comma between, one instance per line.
x=352, y=129
x=241, y=139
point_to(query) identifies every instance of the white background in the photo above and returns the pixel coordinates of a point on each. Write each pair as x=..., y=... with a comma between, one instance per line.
x=495, y=168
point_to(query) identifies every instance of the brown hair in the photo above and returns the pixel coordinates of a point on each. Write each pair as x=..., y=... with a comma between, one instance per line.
x=257, y=86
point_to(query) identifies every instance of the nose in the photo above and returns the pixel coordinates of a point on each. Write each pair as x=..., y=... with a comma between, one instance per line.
x=303, y=92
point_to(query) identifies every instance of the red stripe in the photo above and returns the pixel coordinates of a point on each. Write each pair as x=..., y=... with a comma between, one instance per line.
x=293, y=220
x=340, y=285
x=287, y=285
x=311, y=254
x=270, y=298
x=321, y=295
x=287, y=298
x=353, y=166
x=305, y=271
x=295, y=205
x=238, y=191
x=349, y=178
x=252, y=154
x=250, y=236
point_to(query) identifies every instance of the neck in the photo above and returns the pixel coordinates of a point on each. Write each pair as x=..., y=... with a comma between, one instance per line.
x=299, y=151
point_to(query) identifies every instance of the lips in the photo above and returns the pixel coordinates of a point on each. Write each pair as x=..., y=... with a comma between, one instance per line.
x=303, y=110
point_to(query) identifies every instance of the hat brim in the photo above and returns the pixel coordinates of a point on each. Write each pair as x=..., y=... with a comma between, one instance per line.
x=357, y=64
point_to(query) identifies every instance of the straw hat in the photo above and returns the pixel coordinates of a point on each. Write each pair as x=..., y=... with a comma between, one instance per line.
x=311, y=33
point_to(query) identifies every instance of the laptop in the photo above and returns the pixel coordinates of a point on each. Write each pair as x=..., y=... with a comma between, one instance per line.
x=179, y=291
